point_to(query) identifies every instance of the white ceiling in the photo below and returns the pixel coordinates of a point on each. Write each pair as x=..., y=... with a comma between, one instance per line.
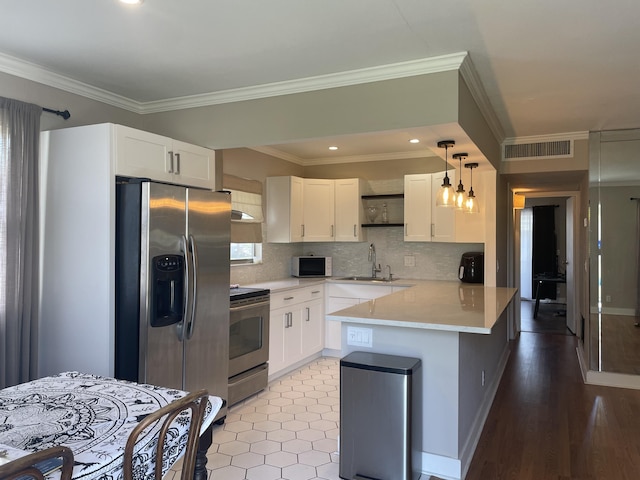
x=547, y=66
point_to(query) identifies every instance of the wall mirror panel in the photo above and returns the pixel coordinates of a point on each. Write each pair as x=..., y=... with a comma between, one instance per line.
x=614, y=257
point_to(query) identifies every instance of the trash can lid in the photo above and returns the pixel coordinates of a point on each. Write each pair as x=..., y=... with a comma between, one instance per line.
x=381, y=362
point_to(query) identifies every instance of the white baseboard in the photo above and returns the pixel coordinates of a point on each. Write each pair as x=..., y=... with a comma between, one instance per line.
x=625, y=312
x=606, y=379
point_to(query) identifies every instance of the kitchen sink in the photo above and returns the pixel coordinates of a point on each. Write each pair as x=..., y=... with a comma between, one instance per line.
x=368, y=279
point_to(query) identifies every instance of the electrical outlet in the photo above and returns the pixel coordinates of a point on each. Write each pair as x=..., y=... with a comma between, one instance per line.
x=409, y=261
x=360, y=337
x=607, y=298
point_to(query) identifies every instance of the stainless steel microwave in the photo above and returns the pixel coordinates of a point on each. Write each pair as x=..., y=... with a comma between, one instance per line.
x=311, y=266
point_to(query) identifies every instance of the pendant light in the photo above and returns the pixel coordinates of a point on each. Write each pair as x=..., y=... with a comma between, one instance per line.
x=471, y=204
x=460, y=197
x=446, y=194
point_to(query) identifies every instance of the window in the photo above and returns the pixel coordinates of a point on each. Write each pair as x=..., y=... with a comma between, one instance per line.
x=244, y=253
x=246, y=220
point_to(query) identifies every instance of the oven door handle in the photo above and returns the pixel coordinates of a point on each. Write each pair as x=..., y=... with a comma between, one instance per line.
x=248, y=306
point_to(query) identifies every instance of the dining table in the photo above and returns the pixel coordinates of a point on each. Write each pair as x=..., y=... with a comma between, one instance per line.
x=94, y=415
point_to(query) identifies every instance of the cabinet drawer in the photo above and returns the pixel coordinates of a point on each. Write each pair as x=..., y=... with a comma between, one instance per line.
x=296, y=296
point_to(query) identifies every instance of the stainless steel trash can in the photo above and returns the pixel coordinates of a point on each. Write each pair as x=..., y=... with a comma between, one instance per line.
x=380, y=417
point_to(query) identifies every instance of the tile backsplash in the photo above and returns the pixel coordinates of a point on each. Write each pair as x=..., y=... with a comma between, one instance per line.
x=433, y=261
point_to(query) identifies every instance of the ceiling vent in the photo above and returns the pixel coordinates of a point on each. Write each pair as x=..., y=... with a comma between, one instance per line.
x=552, y=149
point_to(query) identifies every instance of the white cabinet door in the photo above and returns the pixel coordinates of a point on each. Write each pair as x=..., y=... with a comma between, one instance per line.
x=417, y=208
x=443, y=219
x=143, y=154
x=470, y=228
x=284, y=209
x=318, y=210
x=193, y=166
x=312, y=321
x=348, y=210
x=278, y=319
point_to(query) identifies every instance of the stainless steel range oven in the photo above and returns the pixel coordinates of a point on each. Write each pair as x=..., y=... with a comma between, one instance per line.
x=248, y=342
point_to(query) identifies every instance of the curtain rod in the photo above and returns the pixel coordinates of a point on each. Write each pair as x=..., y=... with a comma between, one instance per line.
x=60, y=113
x=634, y=198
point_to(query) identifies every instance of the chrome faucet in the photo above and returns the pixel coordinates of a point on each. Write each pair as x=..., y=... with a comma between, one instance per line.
x=390, y=275
x=372, y=259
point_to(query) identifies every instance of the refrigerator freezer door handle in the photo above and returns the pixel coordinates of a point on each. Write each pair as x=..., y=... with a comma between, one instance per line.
x=193, y=250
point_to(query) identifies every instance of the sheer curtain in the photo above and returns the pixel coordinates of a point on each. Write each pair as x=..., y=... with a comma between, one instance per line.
x=19, y=141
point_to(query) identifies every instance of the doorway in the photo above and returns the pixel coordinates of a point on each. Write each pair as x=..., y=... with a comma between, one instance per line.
x=556, y=308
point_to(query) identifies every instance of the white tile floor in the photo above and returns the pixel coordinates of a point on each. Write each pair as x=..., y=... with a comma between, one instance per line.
x=288, y=431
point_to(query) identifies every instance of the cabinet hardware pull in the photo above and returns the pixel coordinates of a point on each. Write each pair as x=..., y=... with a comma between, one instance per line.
x=315, y=291
x=433, y=229
x=308, y=314
x=354, y=230
x=302, y=229
x=170, y=162
x=177, y=163
x=331, y=231
x=289, y=298
x=290, y=319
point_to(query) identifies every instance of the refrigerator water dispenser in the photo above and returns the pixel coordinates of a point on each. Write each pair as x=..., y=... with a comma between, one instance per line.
x=168, y=290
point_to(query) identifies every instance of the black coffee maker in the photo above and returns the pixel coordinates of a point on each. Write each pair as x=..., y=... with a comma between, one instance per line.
x=471, y=267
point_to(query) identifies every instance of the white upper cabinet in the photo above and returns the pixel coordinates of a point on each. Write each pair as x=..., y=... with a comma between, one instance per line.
x=443, y=219
x=147, y=155
x=423, y=221
x=348, y=210
x=313, y=210
x=470, y=228
x=417, y=208
x=284, y=209
x=318, y=210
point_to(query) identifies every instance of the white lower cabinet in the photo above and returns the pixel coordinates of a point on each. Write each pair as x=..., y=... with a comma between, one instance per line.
x=296, y=326
x=344, y=295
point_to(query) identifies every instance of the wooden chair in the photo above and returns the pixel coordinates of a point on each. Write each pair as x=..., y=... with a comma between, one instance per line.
x=196, y=402
x=26, y=465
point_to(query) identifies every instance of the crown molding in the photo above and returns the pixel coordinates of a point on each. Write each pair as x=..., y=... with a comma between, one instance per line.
x=274, y=152
x=37, y=73
x=392, y=71
x=471, y=78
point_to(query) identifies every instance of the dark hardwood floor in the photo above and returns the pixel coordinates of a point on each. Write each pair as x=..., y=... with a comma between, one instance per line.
x=545, y=423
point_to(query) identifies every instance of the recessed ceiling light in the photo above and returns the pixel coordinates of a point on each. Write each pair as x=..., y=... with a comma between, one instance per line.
x=333, y=147
x=132, y=2
x=414, y=140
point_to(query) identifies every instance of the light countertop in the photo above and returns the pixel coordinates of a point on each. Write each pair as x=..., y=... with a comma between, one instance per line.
x=286, y=284
x=434, y=305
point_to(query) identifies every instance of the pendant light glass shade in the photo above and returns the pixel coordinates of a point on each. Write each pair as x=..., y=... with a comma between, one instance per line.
x=460, y=196
x=471, y=202
x=446, y=194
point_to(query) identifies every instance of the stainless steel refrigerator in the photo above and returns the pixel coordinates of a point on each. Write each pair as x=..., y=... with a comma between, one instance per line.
x=172, y=286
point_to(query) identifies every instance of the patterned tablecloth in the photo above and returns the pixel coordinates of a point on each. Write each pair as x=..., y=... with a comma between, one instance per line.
x=93, y=416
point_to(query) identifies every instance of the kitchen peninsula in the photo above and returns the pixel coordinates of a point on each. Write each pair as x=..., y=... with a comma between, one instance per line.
x=460, y=333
